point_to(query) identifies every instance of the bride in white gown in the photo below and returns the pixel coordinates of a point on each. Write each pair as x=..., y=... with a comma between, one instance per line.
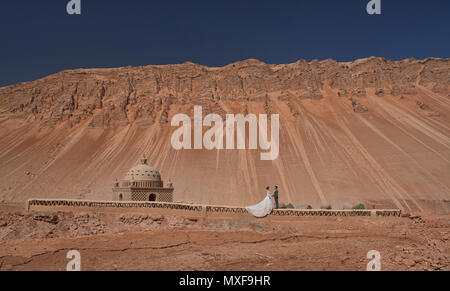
x=263, y=208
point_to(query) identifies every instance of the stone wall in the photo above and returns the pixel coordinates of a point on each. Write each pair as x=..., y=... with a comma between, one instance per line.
x=135, y=194
x=191, y=209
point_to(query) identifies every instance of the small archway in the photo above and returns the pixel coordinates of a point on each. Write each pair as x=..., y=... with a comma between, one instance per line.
x=120, y=197
x=152, y=197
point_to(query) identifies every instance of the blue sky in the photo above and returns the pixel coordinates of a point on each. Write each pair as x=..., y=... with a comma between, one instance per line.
x=39, y=38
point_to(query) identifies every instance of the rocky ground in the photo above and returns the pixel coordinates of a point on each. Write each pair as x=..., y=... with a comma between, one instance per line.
x=106, y=241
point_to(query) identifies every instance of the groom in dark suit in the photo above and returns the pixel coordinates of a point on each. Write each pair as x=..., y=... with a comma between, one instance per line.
x=275, y=196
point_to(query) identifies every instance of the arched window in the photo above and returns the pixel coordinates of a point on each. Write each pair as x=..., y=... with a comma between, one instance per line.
x=120, y=197
x=152, y=197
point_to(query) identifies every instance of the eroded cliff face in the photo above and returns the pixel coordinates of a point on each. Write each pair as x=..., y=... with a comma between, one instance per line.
x=118, y=97
x=372, y=130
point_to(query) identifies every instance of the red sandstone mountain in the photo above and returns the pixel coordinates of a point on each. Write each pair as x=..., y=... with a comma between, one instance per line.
x=373, y=131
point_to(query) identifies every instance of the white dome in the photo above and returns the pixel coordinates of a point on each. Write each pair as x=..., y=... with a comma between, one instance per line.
x=143, y=172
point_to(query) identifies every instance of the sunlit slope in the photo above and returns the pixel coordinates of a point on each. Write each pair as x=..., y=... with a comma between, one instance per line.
x=64, y=137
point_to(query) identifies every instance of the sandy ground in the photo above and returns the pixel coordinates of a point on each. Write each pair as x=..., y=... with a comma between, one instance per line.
x=41, y=241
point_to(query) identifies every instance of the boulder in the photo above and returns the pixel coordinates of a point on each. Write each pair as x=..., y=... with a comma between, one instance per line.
x=286, y=206
x=379, y=92
x=359, y=92
x=422, y=105
x=51, y=218
x=347, y=206
x=434, y=114
x=304, y=207
x=358, y=107
x=326, y=207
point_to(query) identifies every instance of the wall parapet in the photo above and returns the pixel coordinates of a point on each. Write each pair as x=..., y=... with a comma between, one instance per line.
x=71, y=204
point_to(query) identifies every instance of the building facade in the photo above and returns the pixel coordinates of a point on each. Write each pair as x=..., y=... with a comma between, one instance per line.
x=142, y=183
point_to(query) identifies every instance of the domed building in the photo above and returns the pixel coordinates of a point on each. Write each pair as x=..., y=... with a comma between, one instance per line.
x=142, y=183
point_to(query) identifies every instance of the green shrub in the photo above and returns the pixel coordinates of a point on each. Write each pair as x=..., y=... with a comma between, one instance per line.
x=359, y=207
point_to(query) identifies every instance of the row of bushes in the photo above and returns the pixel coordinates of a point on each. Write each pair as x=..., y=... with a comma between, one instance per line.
x=328, y=207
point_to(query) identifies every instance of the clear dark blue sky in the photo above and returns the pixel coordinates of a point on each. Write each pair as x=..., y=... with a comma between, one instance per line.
x=39, y=38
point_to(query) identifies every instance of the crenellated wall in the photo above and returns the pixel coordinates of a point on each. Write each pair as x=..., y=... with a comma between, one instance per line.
x=191, y=209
